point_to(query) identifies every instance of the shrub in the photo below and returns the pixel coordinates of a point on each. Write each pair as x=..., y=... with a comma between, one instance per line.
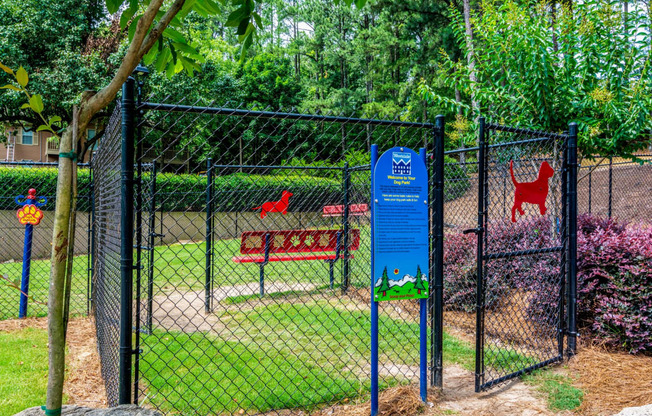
x=18, y=180
x=614, y=271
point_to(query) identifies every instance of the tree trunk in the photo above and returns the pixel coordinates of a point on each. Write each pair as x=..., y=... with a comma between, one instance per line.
x=60, y=234
x=470, y=56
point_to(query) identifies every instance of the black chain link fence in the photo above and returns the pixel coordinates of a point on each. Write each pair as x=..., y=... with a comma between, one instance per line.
x=617, y=187
x=252, y=250
x=17, y=178
x=106, y=253
x=518, y=325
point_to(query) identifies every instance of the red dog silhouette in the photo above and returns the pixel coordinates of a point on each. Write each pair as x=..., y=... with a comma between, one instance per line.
x=531, y=192
x=276, y=206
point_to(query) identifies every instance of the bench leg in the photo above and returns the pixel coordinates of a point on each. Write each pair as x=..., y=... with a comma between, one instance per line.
x=331, y=265
x=262, y=280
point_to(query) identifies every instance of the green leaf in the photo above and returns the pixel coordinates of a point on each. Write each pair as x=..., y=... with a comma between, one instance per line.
x=127, y=15
x=174, y=35
x=236, y=17
x=132, y=26
x=24, y=106
x=242, y=27
x=6, y=69
x=360, y=3
x=258, y=19
x=36, y=103
x=184, y=47
x=11, y=87
x=54, y=119
x=21, y=76
x=150, y=56
x=162, y=60
x=113, y=5
x=43, y=127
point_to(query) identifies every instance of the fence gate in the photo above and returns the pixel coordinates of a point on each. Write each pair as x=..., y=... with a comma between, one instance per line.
x=524, y=244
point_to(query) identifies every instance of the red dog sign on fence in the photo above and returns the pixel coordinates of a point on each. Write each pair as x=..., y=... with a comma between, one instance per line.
x=531, y=192
x=275, y=206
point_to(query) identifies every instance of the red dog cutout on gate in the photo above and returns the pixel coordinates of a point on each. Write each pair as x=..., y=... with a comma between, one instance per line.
x=275, y=206
x=531, y=192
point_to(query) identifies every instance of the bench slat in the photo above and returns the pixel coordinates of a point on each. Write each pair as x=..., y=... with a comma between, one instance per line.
x=295, y=241
x=260, y=259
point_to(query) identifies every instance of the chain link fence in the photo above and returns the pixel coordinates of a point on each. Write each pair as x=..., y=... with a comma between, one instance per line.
x=17, y=178
x=617, y=187
x=251, y=260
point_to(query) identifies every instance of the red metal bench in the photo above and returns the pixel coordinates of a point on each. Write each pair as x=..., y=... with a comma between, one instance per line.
x=262, y=247
x=338, y=210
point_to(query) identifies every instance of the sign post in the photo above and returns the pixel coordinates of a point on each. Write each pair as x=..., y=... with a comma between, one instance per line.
x=29, y=215
x=400, y=257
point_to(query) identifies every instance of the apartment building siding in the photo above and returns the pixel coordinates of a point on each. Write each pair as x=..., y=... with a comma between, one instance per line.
x=30, y=146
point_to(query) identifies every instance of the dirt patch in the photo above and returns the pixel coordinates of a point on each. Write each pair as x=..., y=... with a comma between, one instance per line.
x=396, y=401
x=512, y=398
x=84, y=385
x=612, y=381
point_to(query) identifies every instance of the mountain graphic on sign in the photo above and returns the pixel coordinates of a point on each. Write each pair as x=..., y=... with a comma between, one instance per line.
x=400, y=283
x=408, y=287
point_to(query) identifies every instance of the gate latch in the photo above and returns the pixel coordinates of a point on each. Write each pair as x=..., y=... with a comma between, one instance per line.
x=476, y=231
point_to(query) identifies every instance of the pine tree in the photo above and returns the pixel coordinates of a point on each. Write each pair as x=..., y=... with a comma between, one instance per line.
x=418, y=285
x=384, y=284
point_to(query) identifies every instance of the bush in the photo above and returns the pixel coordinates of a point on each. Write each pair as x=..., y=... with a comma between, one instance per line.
x=18, y=180
x=614, y=271
x=241, y=192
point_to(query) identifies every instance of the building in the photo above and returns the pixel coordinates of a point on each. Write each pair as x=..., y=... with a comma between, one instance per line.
x=27, y=145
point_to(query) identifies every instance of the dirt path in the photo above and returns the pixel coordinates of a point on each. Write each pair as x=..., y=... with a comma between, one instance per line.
x=512, y=398
x=185, y=311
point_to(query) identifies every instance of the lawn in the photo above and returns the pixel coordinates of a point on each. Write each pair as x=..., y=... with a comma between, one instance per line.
x=273, y=357
x=23, y=369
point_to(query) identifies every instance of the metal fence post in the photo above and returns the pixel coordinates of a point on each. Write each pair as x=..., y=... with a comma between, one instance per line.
x=437, y=262
x=572, y=237
x=91, y=243
x=479, y=232
x=345, y=226
x=209, y=234
x=152, y=236
x=611, y=181
x=127, y=241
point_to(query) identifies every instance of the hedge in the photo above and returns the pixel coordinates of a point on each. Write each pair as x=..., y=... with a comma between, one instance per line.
x=232, y=193
x=18, y=180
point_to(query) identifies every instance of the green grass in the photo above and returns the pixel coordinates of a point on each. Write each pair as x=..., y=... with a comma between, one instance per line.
x=276, y=356
x=23, y=370
x=234, y=300
x=557, y=388
x=38, y=288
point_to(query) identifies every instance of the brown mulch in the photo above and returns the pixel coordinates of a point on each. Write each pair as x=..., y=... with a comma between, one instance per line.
x=397, y=401
x=84, y=385
x=612, y=381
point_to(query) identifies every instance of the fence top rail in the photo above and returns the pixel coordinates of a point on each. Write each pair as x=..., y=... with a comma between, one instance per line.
x=27, y=164
x=525, y=131
x=280, y=115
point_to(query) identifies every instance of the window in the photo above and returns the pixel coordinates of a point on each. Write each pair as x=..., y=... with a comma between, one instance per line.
x=27, y=137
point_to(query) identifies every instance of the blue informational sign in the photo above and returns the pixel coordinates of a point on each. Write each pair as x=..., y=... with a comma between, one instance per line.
x=400, y=226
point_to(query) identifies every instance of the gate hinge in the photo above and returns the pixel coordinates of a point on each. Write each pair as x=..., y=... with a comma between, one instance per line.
x=476, y=231
x=137, y=351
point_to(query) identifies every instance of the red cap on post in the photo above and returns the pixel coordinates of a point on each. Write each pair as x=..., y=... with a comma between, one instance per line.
x=31, y=194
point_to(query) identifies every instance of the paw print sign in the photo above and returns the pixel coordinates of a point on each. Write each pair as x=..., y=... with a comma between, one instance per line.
x=29, y=214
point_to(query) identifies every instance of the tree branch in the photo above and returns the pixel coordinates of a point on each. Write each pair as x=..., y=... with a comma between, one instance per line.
x=131, y=59
x=154, y=34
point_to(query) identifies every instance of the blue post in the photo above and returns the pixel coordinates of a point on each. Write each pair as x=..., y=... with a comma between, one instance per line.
x=423, y=326
x=374, y=304
x=27, y=257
